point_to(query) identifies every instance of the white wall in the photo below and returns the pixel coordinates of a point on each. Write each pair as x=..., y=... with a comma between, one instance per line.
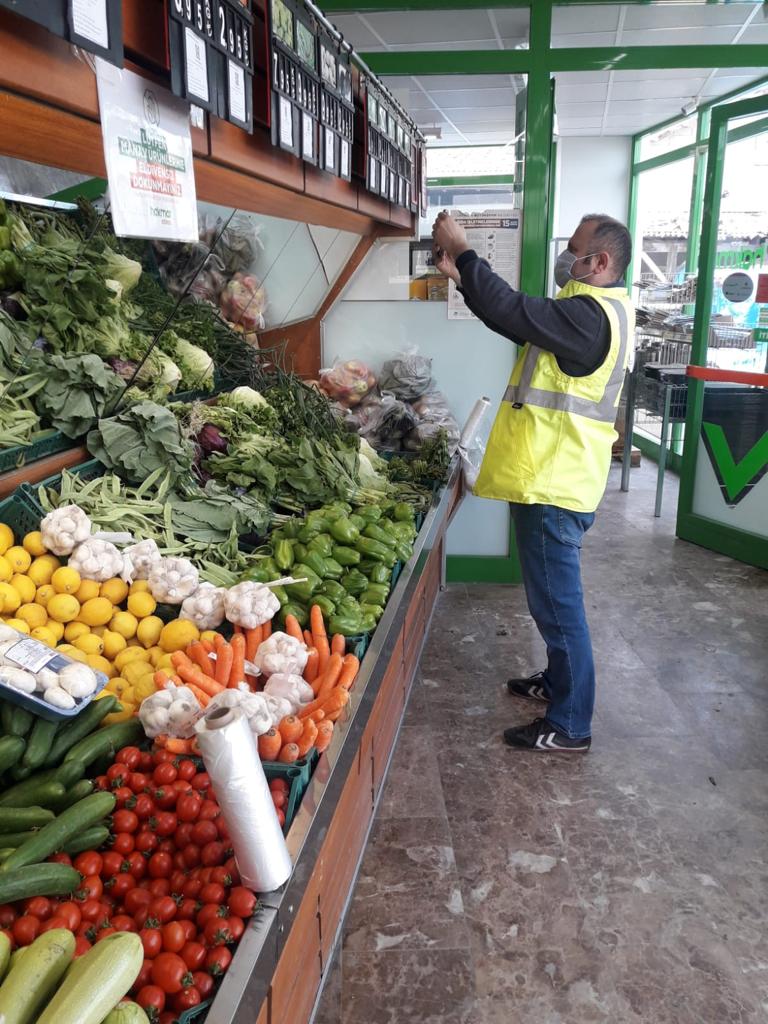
x=593, y=178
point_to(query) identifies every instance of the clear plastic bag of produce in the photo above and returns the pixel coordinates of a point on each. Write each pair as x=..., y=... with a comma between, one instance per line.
x=235, y=240
x=347, y=382
x=390, y=423
x=364, y=417
x=408, y=376
x=433, y=414
x=191, y=267
x=243, y=302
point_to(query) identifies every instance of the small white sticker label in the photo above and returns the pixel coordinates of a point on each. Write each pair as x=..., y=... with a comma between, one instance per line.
x=384, y=182
x=89, y=20
x=344, y=158
x=236, y=91
x=197, y=65
x=330, y=151
x=286, y=122
x=30, y=655
x=307, y=135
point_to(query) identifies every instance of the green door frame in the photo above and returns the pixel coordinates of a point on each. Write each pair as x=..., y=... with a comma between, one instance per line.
x=748, y=547
x=538, y=62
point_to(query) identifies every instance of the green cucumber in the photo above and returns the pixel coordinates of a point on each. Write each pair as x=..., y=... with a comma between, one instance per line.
x=18, y=818
x=80, y=727
x=11, y=749
x=6, y=852
x=106, y=741
x=39, y=743
x=79, y=791
x=16, y=721
x=91, y=839
x=33, y=980
x=33, y=792
x=5, y=954
x=13, y=839
x=38, y=880
x=61, y=830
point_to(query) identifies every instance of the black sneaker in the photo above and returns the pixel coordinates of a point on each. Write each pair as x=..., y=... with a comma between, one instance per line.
x=540, y=735
x=531, y=688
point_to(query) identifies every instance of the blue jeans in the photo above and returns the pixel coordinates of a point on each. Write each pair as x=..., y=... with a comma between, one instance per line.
x=549, y=546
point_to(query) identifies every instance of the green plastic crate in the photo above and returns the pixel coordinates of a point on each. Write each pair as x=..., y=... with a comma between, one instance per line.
x=196, y=1014
x=47, y=442
x=87, y=470
x=18, y=512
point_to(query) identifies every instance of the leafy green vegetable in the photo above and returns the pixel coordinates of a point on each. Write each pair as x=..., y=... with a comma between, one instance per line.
x=74, y=390
x=140, y=440
x=195, y=365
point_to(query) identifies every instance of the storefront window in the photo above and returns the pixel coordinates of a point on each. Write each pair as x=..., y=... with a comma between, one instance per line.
x=671, y=137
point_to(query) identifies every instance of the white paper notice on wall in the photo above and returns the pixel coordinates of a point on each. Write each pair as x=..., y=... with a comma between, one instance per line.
x=196, y=61
x=236, y=79
x=344, y=158
x=330, y=150
x=307, y=135
x=286, y=122
x=148, y=153
x=496, y=236
x=89, y=20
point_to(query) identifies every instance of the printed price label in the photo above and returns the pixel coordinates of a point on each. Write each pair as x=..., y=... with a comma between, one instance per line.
x=196, y=61
x=286, y=122
x=308, y=135
x=30, y=655
x=236, y=91
x=89, y=20
x=344, y=158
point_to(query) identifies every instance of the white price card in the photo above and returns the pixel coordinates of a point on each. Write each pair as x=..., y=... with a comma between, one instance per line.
x=330, y=150
x=344, y=158
x=30, y=655
x=89, y=20
x=286, y=122
x=307, y=135
x=196, y=61
x=236, y=91
x=384, y=184
x=148, y=153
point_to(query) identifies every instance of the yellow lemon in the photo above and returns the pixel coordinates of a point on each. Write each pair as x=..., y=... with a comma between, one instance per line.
x=57, y=628
x=100, y=664
x=177, y=635
x=125, y=624
x=140, y=587
x=98, y=630
x=63, y=608
x=33, y=543
x=129, y=655
x=6, y=538
x=25, y=587
x=115, y=590
x=209, y=635
x=121, y=688
x=6, y=571
x=96, y=612
x=136, y=670
x=73, y=630
x=155, y=654
x=41, y=570
x=141, y=605
x=87, y=591
x=144, y=688
x=133, y=642
x=113, y=644
x=18, y=624
x=19, y=558
x=44, y=594
x=45, y=636
x=33, y=614
x=66, y=580
x=73, y=653
x=149, y=630
x=165, y=664
x=88, y=643
x=10, y=599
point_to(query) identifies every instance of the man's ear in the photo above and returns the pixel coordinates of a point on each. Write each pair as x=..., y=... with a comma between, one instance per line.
x=603, y=262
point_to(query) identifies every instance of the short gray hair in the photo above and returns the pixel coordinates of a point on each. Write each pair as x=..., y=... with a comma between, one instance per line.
x=614, y=236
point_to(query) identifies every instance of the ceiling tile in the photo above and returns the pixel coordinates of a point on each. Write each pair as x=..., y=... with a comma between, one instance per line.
x=677, y=15
x=579, y=78
x=658, y=89
x=566, y=109
x=596, y=18
x=685, y=35
x=565, y=93
x=583, y=38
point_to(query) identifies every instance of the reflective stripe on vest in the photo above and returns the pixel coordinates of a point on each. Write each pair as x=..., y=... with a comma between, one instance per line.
x=605, y=410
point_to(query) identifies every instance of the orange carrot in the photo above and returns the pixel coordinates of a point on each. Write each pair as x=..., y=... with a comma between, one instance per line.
x=208, y=645
x=308, y=638
x=317, y=716
x=312, y=666
x=198, y=654
x=338, y=644
x=328, y=702
x=270, y=743
x=292, y=628
x=334, y=716
x=224, y=658
x=319, y=635
x=161, y=740
x=237, y=672
x=290, y=728
x=252, y=641
x=308, y=737
x=202, y=697
x=324, y=736
x=266, y=631
x=351, y=666
x=288, y=754
x=176, y=680
x=175, y=746
x=161, y=679
x=190, y=673
x=325, y=682
x=237, y=630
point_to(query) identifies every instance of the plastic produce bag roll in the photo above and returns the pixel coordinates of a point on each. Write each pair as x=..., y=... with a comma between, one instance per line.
x=233, y=763
x=474, y=419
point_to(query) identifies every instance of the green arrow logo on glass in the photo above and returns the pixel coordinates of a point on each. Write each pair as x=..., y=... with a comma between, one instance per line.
x=736, y=479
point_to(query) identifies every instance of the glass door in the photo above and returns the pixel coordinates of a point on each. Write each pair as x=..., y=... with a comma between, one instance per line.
x=724, y=485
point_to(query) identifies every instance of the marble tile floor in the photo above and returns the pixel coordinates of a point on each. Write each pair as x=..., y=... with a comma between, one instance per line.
x=629, y=886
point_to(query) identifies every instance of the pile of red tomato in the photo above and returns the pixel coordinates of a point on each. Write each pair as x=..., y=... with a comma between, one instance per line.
x=169, y=875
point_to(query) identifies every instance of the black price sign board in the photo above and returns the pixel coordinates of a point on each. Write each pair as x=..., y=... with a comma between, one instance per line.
x=389, y=170
x=337, y=108
x=93, y=25
x=211, y=48
x=295, y=80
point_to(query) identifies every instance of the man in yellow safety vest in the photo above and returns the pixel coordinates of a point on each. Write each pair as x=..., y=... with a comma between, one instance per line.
x=550, y=448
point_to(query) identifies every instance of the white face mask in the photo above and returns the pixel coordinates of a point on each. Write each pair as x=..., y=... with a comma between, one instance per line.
x=564, y=265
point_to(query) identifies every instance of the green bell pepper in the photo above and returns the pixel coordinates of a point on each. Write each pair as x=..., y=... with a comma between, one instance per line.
x=316, y=563
x=283, y=554
x=322, y=544
x=292, y=528
x=349, y=606
x=281, y=595
x=370, y=513
x=334, y=590
x=344, y=532
x=357, y=521
x=378, y=573
x=347, y=625
x=402, y=531
x=256, y=574
x=303, y=591
x=5, y=237
x=374, y=532
x=376, y=550
x=367, y=623
x=376, y=593
x=403, y=551
x=271, y=567
x=299, y=551
x=325, y=604
x=333, y=569
x=354, y=582
x=346, y=556
x=375, y=610
x=308, y=532
x=403, y=512
x=297, y=610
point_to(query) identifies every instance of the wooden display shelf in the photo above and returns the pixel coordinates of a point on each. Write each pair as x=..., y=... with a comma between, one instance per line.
x=34, y=472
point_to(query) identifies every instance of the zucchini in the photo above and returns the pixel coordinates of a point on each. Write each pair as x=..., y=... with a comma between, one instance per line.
x=33, y=792
x=126, y=1013
x=80, y=727
x=104, y=974
x=107, y=741
x=11, y=749
x=16, y=721
x=5, y=954
x=38, y=880
x=33, y=980
x=39, y=743
x=16, y=956
x=18, y=818
x=53, y=836
x=91, y=839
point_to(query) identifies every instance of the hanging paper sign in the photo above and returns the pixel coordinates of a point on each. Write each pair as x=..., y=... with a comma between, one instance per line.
x=93, y=25
x=148, y=152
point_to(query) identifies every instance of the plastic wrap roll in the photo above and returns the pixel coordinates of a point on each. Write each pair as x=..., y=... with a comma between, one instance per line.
x=233, y=763
x=473, y=422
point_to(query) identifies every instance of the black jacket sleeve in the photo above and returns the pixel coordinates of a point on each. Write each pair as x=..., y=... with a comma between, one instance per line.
x=576, y=330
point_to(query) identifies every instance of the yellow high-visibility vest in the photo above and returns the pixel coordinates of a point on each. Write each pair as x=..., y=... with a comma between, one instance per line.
x=552, y=438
